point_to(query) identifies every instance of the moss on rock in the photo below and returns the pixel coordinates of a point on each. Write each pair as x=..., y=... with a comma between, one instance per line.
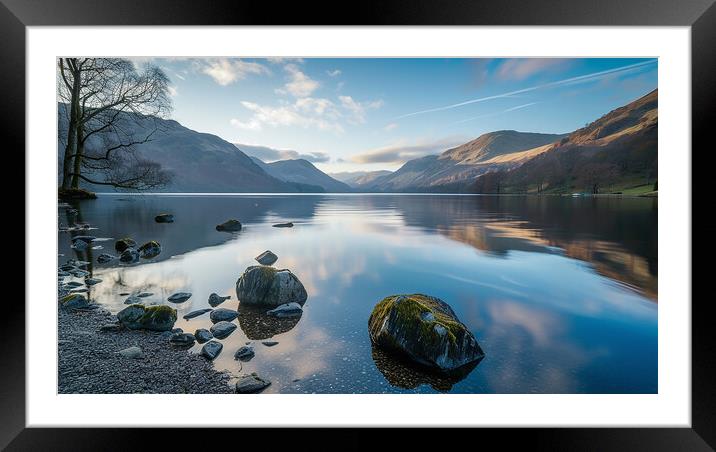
x=424, y=328
x=155, y=318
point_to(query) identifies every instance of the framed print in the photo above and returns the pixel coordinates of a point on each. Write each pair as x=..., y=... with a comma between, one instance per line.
x=360, y=222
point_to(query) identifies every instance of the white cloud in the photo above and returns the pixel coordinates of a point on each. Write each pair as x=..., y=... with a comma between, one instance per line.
x=281, y=60
x=358, y=109
x=304, y=112
x=402, y=151
x=300, y=84
x=391, y=126
x=334, y=73
x=226, y=71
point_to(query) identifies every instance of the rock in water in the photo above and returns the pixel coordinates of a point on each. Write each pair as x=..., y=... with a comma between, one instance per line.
x=202, y=335
x=215, y=300
x=196, y=313
x=79, y=245
x=229, y=226
x=425, y=329
x=286, y=310
x=269, y=343
x=248, y=384
x=123, y=244
x=130, y=255
x=266, y=258
x=150, y=249
x=283, y=225
x=164, y=218
x=211, y=349
x=223, y=314
x=74, y=301
x=92, y=281
x=244, y=353
x=155, y=318
x=104, y=258
x=84, y=238
x=267, y=286
x=132, y=352
x=179, y=297
x=222, y=329
x=182, y=339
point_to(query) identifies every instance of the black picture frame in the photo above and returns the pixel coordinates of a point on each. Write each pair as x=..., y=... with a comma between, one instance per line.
x=700, y=15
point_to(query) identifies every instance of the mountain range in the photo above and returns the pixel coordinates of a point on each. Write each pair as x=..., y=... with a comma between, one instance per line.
x=615, y=153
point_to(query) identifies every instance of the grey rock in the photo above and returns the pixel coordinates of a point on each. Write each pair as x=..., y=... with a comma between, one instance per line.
x=229, y=226
x=244, y=353
x=283, y=225
x=179, y=297
x=222, y=329
x=79, y=245
x=74, y=284
x=203, y=335
x=144, y=294
x=182, y=339
x=269, y=287
x=110, y=327
x=129, y=256
x=177, y=330
x=269, y=343
x=215, y=300
x=92, y=281
x=196, y=313
x=286, y=310
x=104, y=258
x=211, y=349
x=248, y=384
x=132, y=299
x=164, y=218
x=124, y=244
x=132, y=352
x=155, y=318
x=266, y=258
x=150, y=250
x=223, y=314
x=74, y=301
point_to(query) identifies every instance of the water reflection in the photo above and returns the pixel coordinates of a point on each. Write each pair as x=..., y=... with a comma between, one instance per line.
x=558, y=291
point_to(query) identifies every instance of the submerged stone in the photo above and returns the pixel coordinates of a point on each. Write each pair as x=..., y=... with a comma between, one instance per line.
x=248, y=384
x=196, y=313
x=164, y=218
x=222, y=329
x=424, y=329
x=286, y=310
x=211, y=349
x=202, y=335
x=215, y=300
x=244, y=353
x=223, y=314
x=269, y=287
x=179, y=297
x=229, y=226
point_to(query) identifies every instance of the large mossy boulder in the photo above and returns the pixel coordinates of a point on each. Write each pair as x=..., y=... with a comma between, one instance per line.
x=155, y=318
x=424, y=329
x=269, y=287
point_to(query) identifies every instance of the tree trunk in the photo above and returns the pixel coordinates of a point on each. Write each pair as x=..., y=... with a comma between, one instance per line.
x=72, y=121
x=78, y=156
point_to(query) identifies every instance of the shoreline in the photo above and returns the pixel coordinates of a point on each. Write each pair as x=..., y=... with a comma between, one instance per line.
x=89, y=361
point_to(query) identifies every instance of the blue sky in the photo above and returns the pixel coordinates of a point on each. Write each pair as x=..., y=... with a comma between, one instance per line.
x=348, y=114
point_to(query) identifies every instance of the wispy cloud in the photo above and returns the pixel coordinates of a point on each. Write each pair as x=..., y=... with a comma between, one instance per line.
x=226, y=71
x=334, y=73
x=522, y=68
x=304, y=112
x=299, y=84
x=568, y=81
x=391, y=126
x=401, y=152
x=357, y=109
x=487, y=115
x=268, y=154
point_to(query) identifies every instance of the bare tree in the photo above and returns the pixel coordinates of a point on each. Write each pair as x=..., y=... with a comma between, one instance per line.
x=112, y=106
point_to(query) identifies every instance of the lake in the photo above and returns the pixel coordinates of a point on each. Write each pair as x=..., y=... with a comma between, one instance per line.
x=560, y=292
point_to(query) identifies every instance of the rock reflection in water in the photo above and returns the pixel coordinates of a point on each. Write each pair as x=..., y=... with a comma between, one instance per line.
x=407, y=375
x=257, y=325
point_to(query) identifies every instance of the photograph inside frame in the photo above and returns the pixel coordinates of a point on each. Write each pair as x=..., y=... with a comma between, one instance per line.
x=357, y=225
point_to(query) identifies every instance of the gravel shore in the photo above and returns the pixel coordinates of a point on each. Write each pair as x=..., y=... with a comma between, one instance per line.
x=89, y=361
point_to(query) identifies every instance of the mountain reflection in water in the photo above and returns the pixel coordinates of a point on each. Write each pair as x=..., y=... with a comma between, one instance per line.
x=560, y=292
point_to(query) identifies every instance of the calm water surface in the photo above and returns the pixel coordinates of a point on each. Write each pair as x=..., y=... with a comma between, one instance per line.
x=561, y=293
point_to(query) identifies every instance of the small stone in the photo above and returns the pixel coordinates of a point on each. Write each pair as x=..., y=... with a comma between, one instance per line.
x=229, y=226
x=223, y=314
x=269, y=343
x=92, y=281
x=129, y=256
x=150, y=250
x=248, y=384
x=132, y=352
x=202, y=335
x=123, y=244
x=266, y=258
x=108, y=327
x=84, y=238
x=196, y=313
x=215, y=300
x=283, y=225
x=144, y=294
x=164, y=218
x=182, y=339
x=244, y=353
x=222, y=329
x=179, y=297
x=286, y=310
x=104, y=258
x=212, y=349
